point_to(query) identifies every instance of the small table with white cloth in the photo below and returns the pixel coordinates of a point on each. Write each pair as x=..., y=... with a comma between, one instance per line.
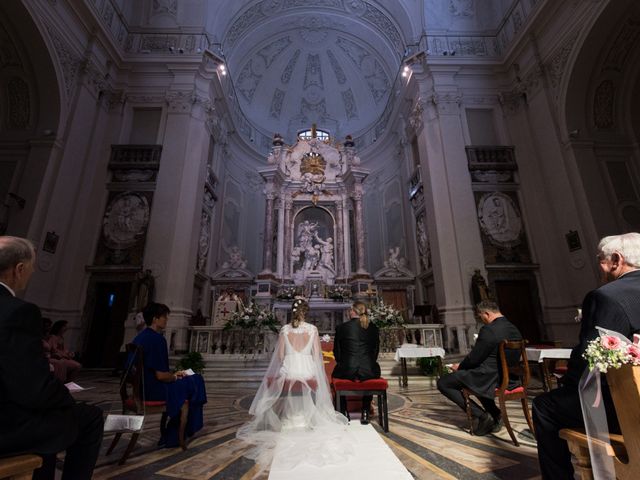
x=544, y=356
x=416, y=351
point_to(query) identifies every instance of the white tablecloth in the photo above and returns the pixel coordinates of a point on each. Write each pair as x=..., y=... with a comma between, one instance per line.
x=418, y=352
x=539, y=354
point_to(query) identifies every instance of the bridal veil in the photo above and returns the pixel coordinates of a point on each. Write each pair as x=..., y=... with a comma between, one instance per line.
x=293, y=411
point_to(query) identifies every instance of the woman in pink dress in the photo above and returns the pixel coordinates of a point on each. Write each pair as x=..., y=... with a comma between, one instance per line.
x=57, y=366
x=59, y=352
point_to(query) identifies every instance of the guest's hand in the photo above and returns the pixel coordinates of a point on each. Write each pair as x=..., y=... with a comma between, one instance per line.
x=180, y=374
x=454, y=367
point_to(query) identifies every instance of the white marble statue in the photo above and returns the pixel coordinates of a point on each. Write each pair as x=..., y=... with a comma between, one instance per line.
x=234, y=260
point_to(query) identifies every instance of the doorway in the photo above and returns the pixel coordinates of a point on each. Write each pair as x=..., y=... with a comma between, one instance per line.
x=107, y=323
x=515, y=298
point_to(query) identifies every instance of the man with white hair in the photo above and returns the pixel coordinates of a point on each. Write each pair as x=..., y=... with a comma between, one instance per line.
x=37, y=413
x=615, y=306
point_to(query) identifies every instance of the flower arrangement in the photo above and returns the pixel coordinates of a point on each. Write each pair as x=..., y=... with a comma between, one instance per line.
x=338, y=292
x=252, y=317
x=611, y=351
x=287, y=292
x=384, y=315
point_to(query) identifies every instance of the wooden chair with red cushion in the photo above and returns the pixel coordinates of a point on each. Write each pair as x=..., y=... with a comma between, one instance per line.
x=376, y=386
x=132, y=396
x=519, y=368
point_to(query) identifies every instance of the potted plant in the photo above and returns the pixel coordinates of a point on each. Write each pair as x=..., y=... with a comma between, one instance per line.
x=193, y=361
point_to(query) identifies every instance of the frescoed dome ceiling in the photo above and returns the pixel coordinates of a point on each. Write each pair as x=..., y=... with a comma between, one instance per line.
x=298, y=62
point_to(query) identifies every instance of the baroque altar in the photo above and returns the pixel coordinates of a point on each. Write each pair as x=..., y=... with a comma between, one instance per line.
x=314, y=229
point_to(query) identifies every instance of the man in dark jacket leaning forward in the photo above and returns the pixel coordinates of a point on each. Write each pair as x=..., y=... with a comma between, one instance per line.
x=479, y=371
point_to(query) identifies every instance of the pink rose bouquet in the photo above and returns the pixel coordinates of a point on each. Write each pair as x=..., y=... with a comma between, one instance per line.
x=610, y=351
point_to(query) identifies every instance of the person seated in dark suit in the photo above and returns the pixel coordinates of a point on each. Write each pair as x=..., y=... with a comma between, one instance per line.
x=37, y=413
x=355, y=348
x=479, y=370
x=160, y=383
x=614, y=306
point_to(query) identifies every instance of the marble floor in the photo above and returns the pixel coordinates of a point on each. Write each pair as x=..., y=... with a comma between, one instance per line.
x=427, y=433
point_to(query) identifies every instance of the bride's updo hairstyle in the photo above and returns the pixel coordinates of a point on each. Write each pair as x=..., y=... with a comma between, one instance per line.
x=361, y=308
x=299, y=311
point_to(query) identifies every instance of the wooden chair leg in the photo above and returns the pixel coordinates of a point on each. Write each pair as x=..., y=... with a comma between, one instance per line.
x=505, y=418
x=114, y=442
x=527, y=414
x=184, y=415
x=127, y=452
x=386, y=412
x=380, y=411
x=467, y=404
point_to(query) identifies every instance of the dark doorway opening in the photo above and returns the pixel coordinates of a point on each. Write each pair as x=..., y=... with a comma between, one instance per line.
x=516, y=303
x=107, y=323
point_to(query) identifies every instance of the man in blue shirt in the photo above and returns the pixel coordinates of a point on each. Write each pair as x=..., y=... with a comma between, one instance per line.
x=160, y=384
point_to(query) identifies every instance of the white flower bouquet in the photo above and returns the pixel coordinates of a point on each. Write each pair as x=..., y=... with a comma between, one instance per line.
x=253, y=317
x=384, y=315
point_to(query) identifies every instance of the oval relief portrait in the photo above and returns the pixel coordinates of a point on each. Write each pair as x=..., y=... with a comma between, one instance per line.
x=499, y=219
x=125, y=220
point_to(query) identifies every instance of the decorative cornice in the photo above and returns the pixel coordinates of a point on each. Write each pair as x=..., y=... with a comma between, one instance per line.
x=70, y=61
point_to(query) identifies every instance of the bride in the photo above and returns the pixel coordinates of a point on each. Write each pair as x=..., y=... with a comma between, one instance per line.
x=292, y=410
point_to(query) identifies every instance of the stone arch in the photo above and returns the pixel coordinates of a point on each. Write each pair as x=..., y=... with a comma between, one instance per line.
x=29, y=115
x=602, y=122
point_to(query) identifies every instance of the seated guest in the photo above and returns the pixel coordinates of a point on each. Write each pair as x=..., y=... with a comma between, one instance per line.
x=59, y=352
x=56, y=366
x=37, y=413
x=160, y=383
x=479, y=370
x=615, y=306
x=355, y=348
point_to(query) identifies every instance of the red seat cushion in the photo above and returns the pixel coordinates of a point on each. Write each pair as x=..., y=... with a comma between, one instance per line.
x=560, y=370
x=511, y=392
x=373, y=384
x=130, y=403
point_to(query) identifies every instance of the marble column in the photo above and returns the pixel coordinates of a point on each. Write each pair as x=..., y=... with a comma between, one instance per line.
x=268, y=232
x=288, y=229
x=339, y=239
x=357, y=204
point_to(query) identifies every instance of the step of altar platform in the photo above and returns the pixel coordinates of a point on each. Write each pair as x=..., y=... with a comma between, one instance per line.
x=248, y=373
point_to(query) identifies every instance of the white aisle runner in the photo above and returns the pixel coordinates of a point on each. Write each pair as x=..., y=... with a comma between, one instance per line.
x=373, y=459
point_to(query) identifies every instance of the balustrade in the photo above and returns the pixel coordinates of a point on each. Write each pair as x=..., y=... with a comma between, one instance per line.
x=218, y=341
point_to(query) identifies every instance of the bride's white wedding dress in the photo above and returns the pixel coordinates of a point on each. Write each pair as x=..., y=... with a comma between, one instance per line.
x=293, y=411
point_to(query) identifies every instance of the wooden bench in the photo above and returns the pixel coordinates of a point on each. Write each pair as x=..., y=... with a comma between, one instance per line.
x=20, y=467
x=578, y=443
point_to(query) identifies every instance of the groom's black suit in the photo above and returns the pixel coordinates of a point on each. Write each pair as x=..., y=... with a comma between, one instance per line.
x=37, y=413
x=615, y=306
x=356, y=351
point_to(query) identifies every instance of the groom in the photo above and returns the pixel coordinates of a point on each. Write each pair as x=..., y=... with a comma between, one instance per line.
x=355, y=349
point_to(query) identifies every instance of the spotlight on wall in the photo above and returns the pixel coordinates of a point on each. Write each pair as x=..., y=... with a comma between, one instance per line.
x=171, y=49
x=406, y=70
x=222, y=69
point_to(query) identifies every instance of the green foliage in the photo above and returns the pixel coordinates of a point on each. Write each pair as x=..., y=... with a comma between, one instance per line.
x=192, y=360
x=428, y=365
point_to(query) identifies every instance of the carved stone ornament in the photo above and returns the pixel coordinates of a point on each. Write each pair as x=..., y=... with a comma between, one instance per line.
x=499, y=219
x=125, y=220
x=394, y=266
x=133, y=175
x=203, y=241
